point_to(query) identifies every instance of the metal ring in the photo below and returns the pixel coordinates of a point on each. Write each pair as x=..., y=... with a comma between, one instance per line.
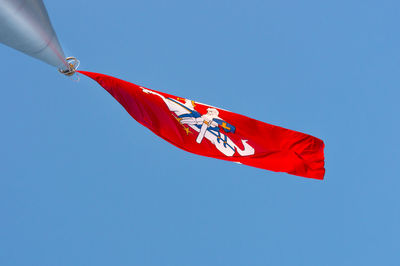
x=73, y=65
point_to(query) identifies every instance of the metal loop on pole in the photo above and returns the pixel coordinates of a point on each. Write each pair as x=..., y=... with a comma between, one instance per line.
x=73, y=65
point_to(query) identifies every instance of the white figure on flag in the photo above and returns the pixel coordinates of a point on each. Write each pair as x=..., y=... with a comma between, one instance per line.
x=208, y=125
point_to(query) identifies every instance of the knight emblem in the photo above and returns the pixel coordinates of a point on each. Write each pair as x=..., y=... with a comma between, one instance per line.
x=209, y=126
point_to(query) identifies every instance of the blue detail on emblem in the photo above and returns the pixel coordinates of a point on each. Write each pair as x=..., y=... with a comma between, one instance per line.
x=227, y=127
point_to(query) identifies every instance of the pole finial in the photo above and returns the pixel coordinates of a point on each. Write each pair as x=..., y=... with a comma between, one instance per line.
x=73, y=65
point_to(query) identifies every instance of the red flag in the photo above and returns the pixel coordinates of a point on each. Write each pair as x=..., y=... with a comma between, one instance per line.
x=214, y=132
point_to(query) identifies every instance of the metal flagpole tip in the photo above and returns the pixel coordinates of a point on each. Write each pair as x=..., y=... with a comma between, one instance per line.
x=72, y=66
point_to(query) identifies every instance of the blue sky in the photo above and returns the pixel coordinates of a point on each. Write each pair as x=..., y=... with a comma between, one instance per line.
x=83, y=184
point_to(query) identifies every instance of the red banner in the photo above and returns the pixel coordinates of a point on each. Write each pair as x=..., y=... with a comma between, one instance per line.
x=210, y=131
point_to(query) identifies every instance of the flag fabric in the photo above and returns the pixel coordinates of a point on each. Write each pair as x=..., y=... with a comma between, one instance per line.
x=210, y=131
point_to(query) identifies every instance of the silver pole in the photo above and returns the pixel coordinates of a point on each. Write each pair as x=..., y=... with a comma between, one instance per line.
x=25, y=26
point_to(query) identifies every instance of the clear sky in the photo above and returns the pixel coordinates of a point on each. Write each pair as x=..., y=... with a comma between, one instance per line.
x=81, y=183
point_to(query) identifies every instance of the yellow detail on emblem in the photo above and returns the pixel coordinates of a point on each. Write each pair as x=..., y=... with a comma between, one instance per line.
x=225, y=126
x=183, y=99
x=184, y=128
x=187, y=130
